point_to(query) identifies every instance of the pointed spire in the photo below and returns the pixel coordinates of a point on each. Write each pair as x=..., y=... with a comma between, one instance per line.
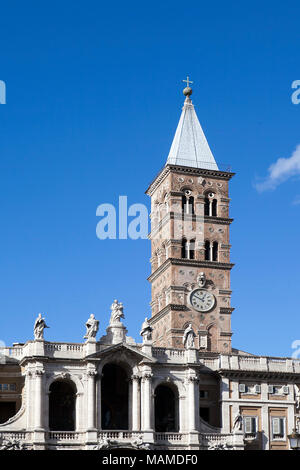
x=190, y=147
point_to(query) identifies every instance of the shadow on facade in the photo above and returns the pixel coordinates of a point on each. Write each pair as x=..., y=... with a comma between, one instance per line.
x=115, y=394
x=166, y=409
x=11, y=387
x=62, y=406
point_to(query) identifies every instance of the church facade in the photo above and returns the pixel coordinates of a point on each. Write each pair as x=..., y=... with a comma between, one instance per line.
x=183, y=386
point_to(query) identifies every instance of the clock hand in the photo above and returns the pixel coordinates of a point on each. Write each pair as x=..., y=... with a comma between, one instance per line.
x=197, y=296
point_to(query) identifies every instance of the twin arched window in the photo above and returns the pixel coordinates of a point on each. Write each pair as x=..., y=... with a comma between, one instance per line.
x=188, y=249
x=211, y=251
x=188, y=202
x=210, y=205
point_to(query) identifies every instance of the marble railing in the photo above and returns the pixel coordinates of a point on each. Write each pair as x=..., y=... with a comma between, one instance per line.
x=15, y=352
x=170, y=437
x=169, y=355
x=264, y=364
x=119, y=435
x=211, y=440
x=64, y=350
x=61, y=350
x=65, y=436
x=163, y=355
x=79, y=438
x=15, y=435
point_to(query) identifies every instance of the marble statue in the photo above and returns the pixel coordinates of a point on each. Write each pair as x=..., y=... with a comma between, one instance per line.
x=188, y=337
x=12, y=444
x=116, y=312
x=92, y=327
x=219, y=446
x=238, y=422
x=39, y=327
x=146, y=331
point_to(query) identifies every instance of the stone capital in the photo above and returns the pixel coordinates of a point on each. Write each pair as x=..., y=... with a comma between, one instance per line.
x=135, y=377
x=147, y=376
x=39, y=372
x=91, y=373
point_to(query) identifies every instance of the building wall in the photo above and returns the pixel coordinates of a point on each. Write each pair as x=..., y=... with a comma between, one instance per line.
x=198, y=381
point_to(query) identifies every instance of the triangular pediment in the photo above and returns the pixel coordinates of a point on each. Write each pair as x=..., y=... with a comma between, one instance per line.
x=122, y=349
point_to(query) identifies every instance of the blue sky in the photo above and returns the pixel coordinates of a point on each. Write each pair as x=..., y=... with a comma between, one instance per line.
x=94, y=95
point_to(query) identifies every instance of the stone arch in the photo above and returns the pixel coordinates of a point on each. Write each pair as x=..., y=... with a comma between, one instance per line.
x=186, y=188
x=65, y=376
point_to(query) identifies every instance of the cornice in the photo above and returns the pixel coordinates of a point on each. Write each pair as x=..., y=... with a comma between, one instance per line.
x=214, y=174
x=226, y=310
x=188, y=262
x=218, y=220
x=171, y=307
x=238, y=373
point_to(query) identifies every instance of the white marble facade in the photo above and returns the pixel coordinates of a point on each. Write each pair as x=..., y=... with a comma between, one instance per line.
x=186, y=372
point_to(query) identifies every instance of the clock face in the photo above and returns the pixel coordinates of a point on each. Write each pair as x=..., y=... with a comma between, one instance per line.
x=202, y=300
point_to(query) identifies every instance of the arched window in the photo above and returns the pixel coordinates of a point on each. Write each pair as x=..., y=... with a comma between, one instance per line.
x=192, y=249
x=184, y=250
x=211, y=251
x=183, y=204
x=210, y=205
x=214, y=208
x=187, y=202
x=166, y=409
x=114, y=397
x=206, y=206
x=215, y=251
x=191, y=205
x=207, y=250
x=62, y=406
x=188, y=249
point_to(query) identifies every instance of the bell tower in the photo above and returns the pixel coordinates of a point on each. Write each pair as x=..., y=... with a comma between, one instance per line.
x=190, y=248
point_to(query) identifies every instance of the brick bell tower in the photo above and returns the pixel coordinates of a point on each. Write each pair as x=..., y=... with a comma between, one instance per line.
x=190, y=250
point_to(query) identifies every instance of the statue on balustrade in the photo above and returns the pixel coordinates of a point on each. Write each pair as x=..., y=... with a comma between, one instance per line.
x=92, y=327
x=39, y=327
x=188, y=337
x=146, y=331
x=116, y=312
x=238, y=422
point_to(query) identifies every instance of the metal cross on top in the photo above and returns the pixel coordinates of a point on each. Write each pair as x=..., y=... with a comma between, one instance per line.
x=187, y=81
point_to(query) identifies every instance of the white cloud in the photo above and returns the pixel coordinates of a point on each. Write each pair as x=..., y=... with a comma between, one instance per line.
x=280, y=171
